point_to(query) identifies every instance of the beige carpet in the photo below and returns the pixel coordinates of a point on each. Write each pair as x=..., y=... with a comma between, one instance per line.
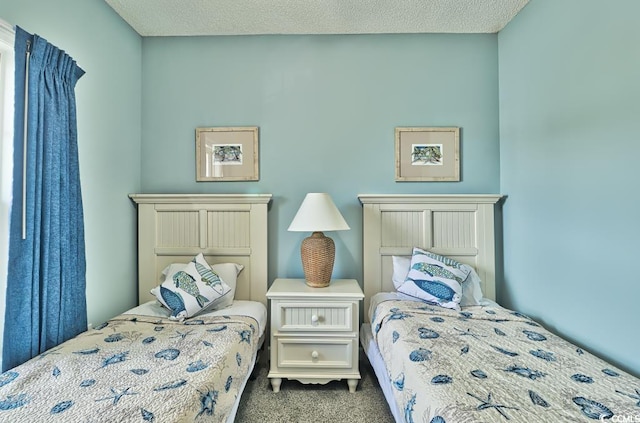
x=299, y=403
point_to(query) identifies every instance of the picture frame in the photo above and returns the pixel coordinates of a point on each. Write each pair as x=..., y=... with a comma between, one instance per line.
x=227, y=154
x=427, y=154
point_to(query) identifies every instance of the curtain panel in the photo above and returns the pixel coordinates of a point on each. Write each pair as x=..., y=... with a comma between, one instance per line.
x=46, y=278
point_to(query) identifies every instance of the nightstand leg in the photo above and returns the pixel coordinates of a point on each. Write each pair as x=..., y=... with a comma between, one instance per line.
x=353, y=384
x=275, y=384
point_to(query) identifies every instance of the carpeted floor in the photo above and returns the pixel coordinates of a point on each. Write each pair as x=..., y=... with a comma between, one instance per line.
x=299, y=403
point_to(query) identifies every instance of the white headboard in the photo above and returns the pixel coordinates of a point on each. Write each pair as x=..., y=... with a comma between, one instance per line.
x=457, y=226
x=172, y=228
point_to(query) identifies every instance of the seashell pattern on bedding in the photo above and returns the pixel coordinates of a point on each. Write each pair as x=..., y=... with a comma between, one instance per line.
x=488, y=363
x=136, y=368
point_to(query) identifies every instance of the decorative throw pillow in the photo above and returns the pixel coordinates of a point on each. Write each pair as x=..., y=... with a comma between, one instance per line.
x=435, y=278
x=191, y=288
x=471, y=289
x=228, y=272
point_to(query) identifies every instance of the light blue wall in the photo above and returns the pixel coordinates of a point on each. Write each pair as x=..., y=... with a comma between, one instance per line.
x=569, y=148
x=327, y=107
x=108, y=99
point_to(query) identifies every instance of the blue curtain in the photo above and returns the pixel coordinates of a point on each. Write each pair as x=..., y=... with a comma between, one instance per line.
x=46, y=298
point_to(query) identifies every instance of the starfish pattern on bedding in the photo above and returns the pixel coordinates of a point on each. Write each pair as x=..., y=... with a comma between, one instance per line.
x=489, y=404
x=117, y=395
x=469, y=333
x=182, y=335
x=634, y=397
x=52, y=351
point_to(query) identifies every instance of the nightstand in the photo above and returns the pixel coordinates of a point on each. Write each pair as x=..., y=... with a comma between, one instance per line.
x=314, y=332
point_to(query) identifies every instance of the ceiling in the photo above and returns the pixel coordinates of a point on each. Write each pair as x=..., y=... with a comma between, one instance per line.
x=245, y=17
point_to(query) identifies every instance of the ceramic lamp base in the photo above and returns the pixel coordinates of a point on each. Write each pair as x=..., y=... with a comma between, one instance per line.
x=318, y=253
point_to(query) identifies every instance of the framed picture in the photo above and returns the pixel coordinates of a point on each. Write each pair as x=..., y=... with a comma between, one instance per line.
x=427, y=154
x=227, y=154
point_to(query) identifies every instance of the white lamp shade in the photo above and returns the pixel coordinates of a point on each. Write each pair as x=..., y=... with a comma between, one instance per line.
x=318, y=213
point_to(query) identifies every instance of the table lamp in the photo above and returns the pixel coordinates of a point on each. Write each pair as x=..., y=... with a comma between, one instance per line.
x=316, y=214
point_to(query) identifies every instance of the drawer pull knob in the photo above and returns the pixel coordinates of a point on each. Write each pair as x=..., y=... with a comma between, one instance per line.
x=314, y=319
x=314, y=355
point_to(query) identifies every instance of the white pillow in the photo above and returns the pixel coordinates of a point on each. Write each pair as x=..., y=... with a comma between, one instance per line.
x=188, y=289
x=401, y=265
x=435, y=278
x=471, y=289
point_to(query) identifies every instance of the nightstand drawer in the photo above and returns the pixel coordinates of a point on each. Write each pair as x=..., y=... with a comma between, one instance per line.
x=315, y=353
x=314, y=332
x=314, y=317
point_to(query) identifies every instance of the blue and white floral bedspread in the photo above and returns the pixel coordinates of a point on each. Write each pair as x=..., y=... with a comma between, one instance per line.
x=136, y=369
x=490, y=364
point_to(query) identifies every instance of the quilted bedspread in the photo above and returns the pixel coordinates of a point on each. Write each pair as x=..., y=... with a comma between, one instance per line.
x=490, y=364
x=136, y=369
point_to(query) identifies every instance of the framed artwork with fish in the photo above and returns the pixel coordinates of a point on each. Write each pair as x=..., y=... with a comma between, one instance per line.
x=227, y=154
x=428, y=154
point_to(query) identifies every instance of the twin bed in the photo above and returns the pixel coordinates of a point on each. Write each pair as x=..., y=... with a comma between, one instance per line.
x=475, y=361
x=470, y=361
x=143, y=365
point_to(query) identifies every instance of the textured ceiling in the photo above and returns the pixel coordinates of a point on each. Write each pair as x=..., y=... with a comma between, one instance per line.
x=243, y=17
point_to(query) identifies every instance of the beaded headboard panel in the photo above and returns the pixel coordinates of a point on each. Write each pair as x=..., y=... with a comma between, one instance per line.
x=173, y=228
x=458, y=226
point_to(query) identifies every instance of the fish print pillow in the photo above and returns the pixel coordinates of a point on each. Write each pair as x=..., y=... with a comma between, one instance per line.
x=471, y=290
x=189, y=289
x=228, y=272
x=435, y=278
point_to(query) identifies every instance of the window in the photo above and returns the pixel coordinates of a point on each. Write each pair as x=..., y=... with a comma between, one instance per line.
x=7, y=35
